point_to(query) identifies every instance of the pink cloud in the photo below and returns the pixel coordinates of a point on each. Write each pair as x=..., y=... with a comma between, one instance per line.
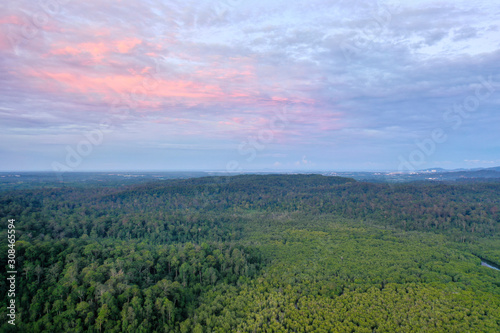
x=220, y=81
x=68, y=50
x=97, y=50
x=124, y=46
x=11, y=19
x=164, y=92
x=4, y=42
x=110, y=85
x=7, y=33
x=238, y=120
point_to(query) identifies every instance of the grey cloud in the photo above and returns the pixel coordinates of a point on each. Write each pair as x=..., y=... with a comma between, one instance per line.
x=464, y=33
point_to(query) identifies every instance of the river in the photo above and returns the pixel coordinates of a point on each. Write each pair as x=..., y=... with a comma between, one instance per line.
x=489, y=264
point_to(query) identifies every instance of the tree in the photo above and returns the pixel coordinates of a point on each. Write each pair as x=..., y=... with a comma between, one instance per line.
x=103, y=316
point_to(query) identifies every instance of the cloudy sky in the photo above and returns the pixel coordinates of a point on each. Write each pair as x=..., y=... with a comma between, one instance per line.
x=249, y=85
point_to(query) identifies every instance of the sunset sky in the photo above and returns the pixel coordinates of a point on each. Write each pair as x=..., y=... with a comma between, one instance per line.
x=249, y=85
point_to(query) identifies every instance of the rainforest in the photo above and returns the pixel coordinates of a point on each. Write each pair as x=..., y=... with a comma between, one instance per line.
x=253, y=253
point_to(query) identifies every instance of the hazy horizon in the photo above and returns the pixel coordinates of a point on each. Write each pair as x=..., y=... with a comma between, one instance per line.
x=241, y=171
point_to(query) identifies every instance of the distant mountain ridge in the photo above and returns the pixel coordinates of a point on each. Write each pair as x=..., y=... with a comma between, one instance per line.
x=475, y=174
x=497, y=168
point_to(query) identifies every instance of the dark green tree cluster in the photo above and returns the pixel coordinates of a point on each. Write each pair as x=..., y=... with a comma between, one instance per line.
x=80, y=285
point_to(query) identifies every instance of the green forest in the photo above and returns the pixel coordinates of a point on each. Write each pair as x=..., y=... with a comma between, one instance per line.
x=254, y=253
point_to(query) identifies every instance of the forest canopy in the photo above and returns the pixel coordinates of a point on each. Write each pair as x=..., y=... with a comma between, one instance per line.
x=255, y=253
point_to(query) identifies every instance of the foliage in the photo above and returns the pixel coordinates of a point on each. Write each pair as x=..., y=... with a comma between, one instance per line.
x=273, y=253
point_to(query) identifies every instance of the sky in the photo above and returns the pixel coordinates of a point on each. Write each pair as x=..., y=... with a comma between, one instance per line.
x=253, y=85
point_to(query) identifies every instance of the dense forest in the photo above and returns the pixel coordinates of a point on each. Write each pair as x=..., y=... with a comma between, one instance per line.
x=254, y=253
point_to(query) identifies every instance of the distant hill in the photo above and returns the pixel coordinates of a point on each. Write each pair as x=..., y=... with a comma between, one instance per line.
x=433, y=170
x=442, y=170
x=302, y=180
x=256, y=182
x=485, y=173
